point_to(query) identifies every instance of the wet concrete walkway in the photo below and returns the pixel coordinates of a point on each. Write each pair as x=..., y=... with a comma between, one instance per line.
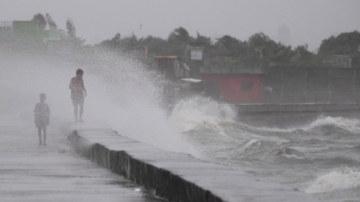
x=29, y=172
x=175, y=176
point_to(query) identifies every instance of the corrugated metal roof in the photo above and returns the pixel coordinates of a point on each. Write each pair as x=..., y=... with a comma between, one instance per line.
x=168, y=57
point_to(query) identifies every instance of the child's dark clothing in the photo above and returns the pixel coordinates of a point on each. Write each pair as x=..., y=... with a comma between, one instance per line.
x=42, y=115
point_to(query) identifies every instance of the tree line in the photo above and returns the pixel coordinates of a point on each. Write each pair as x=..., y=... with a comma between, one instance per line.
x=258, y=50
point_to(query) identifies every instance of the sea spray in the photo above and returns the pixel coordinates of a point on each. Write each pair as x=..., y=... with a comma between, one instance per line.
x=338, y=179
x=122, y=93
x=199, y=111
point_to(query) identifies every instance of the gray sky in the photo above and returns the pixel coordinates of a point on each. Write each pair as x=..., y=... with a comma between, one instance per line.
x=310, y=21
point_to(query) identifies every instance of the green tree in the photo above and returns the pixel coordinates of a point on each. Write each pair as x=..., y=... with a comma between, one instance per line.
x=229, y=46
x=281, y=53
x=50, y=22
x=179, y=36
x=40, y=21
x=113, y=43
x=130, y=43
x=200, y=40
x=304, y=58
x=159, y=46
x=71, y=30
x=347, y=43
x=262, y=44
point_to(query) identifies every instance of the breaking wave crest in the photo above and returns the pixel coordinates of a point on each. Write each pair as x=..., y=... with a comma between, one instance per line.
x=338, y=179
x=198, y=112
x=335, y=124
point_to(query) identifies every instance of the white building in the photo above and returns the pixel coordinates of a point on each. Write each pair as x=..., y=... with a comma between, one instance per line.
x=284, y=35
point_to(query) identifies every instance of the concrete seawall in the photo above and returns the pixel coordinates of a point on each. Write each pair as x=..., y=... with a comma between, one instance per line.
x=287, y=115
x=296, y=108
x=175, y=176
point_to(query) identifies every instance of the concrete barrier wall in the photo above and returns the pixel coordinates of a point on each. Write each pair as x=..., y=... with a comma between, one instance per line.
x=296, y=108
x=312, y=85
x=176, y=176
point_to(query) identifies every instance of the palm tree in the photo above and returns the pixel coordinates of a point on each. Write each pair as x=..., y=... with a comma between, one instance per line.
x=230, y=46
x=179, y=36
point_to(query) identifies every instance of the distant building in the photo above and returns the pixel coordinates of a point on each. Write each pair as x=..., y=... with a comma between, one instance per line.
x=234, y=85
x=196, y=56
x=284, y=35
x=20, y=31
x=341, y=60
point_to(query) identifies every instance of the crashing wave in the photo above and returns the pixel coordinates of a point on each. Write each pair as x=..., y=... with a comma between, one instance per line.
x=339, y=179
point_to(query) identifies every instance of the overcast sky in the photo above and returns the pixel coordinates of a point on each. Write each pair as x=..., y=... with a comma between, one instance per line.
x=309, y=21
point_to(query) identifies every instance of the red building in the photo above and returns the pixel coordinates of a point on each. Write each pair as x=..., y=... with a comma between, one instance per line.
x=238, y=87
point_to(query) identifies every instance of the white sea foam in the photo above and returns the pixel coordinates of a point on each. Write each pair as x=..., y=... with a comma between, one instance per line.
x=201, y=112
x=351, y=125
x=251, y=142
x=339, y=179
x=247, y=146
x=294, y=156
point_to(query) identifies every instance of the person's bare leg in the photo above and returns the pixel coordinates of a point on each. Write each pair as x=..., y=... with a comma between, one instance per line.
x=39, y=133
x=81, y=113
x=76, y=113
x=44, y=134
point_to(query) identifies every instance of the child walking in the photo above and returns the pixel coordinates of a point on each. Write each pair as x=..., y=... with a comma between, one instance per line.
x=42, y=117
x=78, y=92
